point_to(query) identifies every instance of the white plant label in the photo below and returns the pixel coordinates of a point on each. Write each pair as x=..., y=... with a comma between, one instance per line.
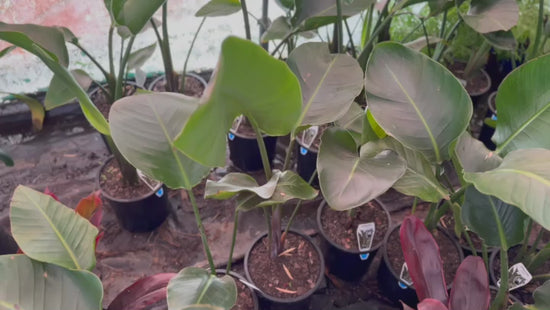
x=308, y=136
x=237, y=123
x=152, y=184
x=518, y=276
x=365, y=236
x=405, y=276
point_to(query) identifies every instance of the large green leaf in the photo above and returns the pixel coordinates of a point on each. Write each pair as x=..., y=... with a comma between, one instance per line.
x=235, y=183
x=144, y=128
x=419, y=179
x=329, y=83
x=483, y=214
x=6, y=159
x=492, y=15
x=416, y=100
x=24, y=36
x=523, y=105
x=311, y=14
x=542, y=299
x=522, y=180
x=247, y=81
x=348, y=178
x=50, y=232
x=134, y=14
x=33, y=285
x=473, y=156
x=138, y=57
x=278, y=29
x=36, y=108
x=215, y=8
x=60, y=93
x=195, y=288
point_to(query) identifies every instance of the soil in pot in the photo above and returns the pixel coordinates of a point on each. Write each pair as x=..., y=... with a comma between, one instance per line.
x=193, y=86
x=287, y=276
x=101, y=100
x=111, y=182
x=245, y=299
x=477, y=84
x=524, y=293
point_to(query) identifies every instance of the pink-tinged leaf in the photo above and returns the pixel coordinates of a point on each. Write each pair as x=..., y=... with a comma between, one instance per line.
x=143, y=293
x=49, y=193
x=88, y=205
x=471, y=286
x=431, y=304
x=98, y=215
x=98, y=237
x=421, y=254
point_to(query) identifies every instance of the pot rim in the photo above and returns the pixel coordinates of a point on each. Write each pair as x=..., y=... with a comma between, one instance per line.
x=191, y=74
x=492, y=107
x=97, y=88
x=106, y=195
x=294, y=299
x=375, y=248
x=240, y=277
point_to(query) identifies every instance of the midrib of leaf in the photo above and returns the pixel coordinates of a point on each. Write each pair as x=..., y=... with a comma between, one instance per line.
x=54, y=228
x=413, y=104
x=206, y=286
x=527, y=174
x=350, y=176
x=314, y=94
x=501, y=147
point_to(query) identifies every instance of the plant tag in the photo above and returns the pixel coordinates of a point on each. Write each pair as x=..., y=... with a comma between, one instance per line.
x=365, y=235
x=231, y=136
x=237, y=123
x=364, y=256
x=309, y=135
x=151, y=183
x=405, y=276
x=518, y=276
x=303, y=150
x=160, y=192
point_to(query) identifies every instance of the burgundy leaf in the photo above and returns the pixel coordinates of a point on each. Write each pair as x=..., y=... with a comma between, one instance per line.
x=471, y=286
x=431, y=304
x=421, y=254
x=143, y=293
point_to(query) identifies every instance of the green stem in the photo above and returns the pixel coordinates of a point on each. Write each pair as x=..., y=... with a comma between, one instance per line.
x=541, y=277
x=415, y=201
x=233, y=240
x=535, y=245
x=289, y=151
x=470, y=243
x=338, y=24
x=367, y=26
x=171, y=79
x=408, y=36
x=350, y=36
x=92, y=58
x=477, y=60
x=129, y=173
x=540, y=29
x=283, y=41
x=500, y=299
x=111, y=57
x=263, y=150
x=440, y=47
x=246, y=22
x=202, y=232
x=426, y=36
x=182, y=86
x=523, y=249
x=263, y=23
x=267, y=223
x=120, y=77
x=275, y=242
x=485, y=254
x=299, y=204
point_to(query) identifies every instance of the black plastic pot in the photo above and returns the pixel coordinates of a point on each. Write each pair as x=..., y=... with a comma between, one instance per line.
x=163, y=77
x=245, y=153
x=349, y=265
x=238, y=277
x=487, y=131
x=140, y=214
x=306, y=162
x=7, y=243
x=389, y=281
x=296, y=303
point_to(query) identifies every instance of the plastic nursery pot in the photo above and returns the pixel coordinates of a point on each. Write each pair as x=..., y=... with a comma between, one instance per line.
x=390, y=281
x=161, y=79
x=487, y=131
x=351, y=264
x=245, y=153
x=471, y=85
x=139, y=214
x=306, y=162
x=7, y=243
x=292, y=302
x=243, y=285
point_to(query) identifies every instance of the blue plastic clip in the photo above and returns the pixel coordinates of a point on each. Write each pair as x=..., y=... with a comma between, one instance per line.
x=402, y=285
x=160, y=192
x=231, y=136
x=303, y=150
x=364, y=256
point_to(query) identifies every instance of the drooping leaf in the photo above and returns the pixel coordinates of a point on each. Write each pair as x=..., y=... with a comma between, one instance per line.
x=473, y=156
x=138, y=57
x=329, y=82
x=6, y=159
x=33, y=285
x=50, y=232
x=134, y=14
x=419, y=179
x=60, y=93
x=144, y=128
x=24, y=36
x=421, y=254
x=471, y=286
x=143, y=293
x=215, y=8
x=431, y=304
x=311, y=14
x=235, y=183
x=483, y=214
x=416, y=100
x=36, y=108
x=278, y=29
x=247, y=81
x=492, y=15
x=7, y=50
x=90, y=205
x=349, y=178
x=523, y=106
x=522, y=180
x=195, y=288
x=503, y=40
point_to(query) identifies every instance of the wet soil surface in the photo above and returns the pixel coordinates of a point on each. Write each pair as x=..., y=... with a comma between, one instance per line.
x=111, y=181
x=193, y=87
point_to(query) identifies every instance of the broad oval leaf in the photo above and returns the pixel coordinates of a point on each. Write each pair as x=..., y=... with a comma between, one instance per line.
x=483, y=215
x=33, y=285
x=278, y=29
x=492, y=15
x=474, y=156
x=4, y=157
x=144, y=128
x=416, y=100
x=348, y=178
x=59, y=93
x=50, y=232
x=247, y=81
x=523, y=104
x=329, y=82
x=195, y=287
x=522, y=180
x=215, y=8
x=138, y=57
x=471, y=286
x=143, y=293
x=134, y=14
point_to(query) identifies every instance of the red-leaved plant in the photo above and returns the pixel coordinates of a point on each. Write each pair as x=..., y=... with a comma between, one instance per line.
x=470, y=289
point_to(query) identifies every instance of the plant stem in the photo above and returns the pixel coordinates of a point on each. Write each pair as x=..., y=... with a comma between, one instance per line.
x=288, y=155
x=367, y=25
x=282, y=42
x=367, y=49
x=171, y=79
x=339, y=26
x=246, y=22
x=470, y=243
x=350, y=36
x=406, y=38
x=485, y=254
x=439, y=45
x=414, y=205
x=182, y=86
x=111, y=57
x=267, y=222
x=439, y=49
x=426, y=36
x=263, y=23
x=523, y=249
x=533, y=248
x=263, y=150
x=233, y=240
x=477, y=59
x=299, y=204
x=129, y=173
x=500, y=299
x=275, y=242
x=202, y=232
x=119, y=81
x=98, y=65
x=540, y=30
